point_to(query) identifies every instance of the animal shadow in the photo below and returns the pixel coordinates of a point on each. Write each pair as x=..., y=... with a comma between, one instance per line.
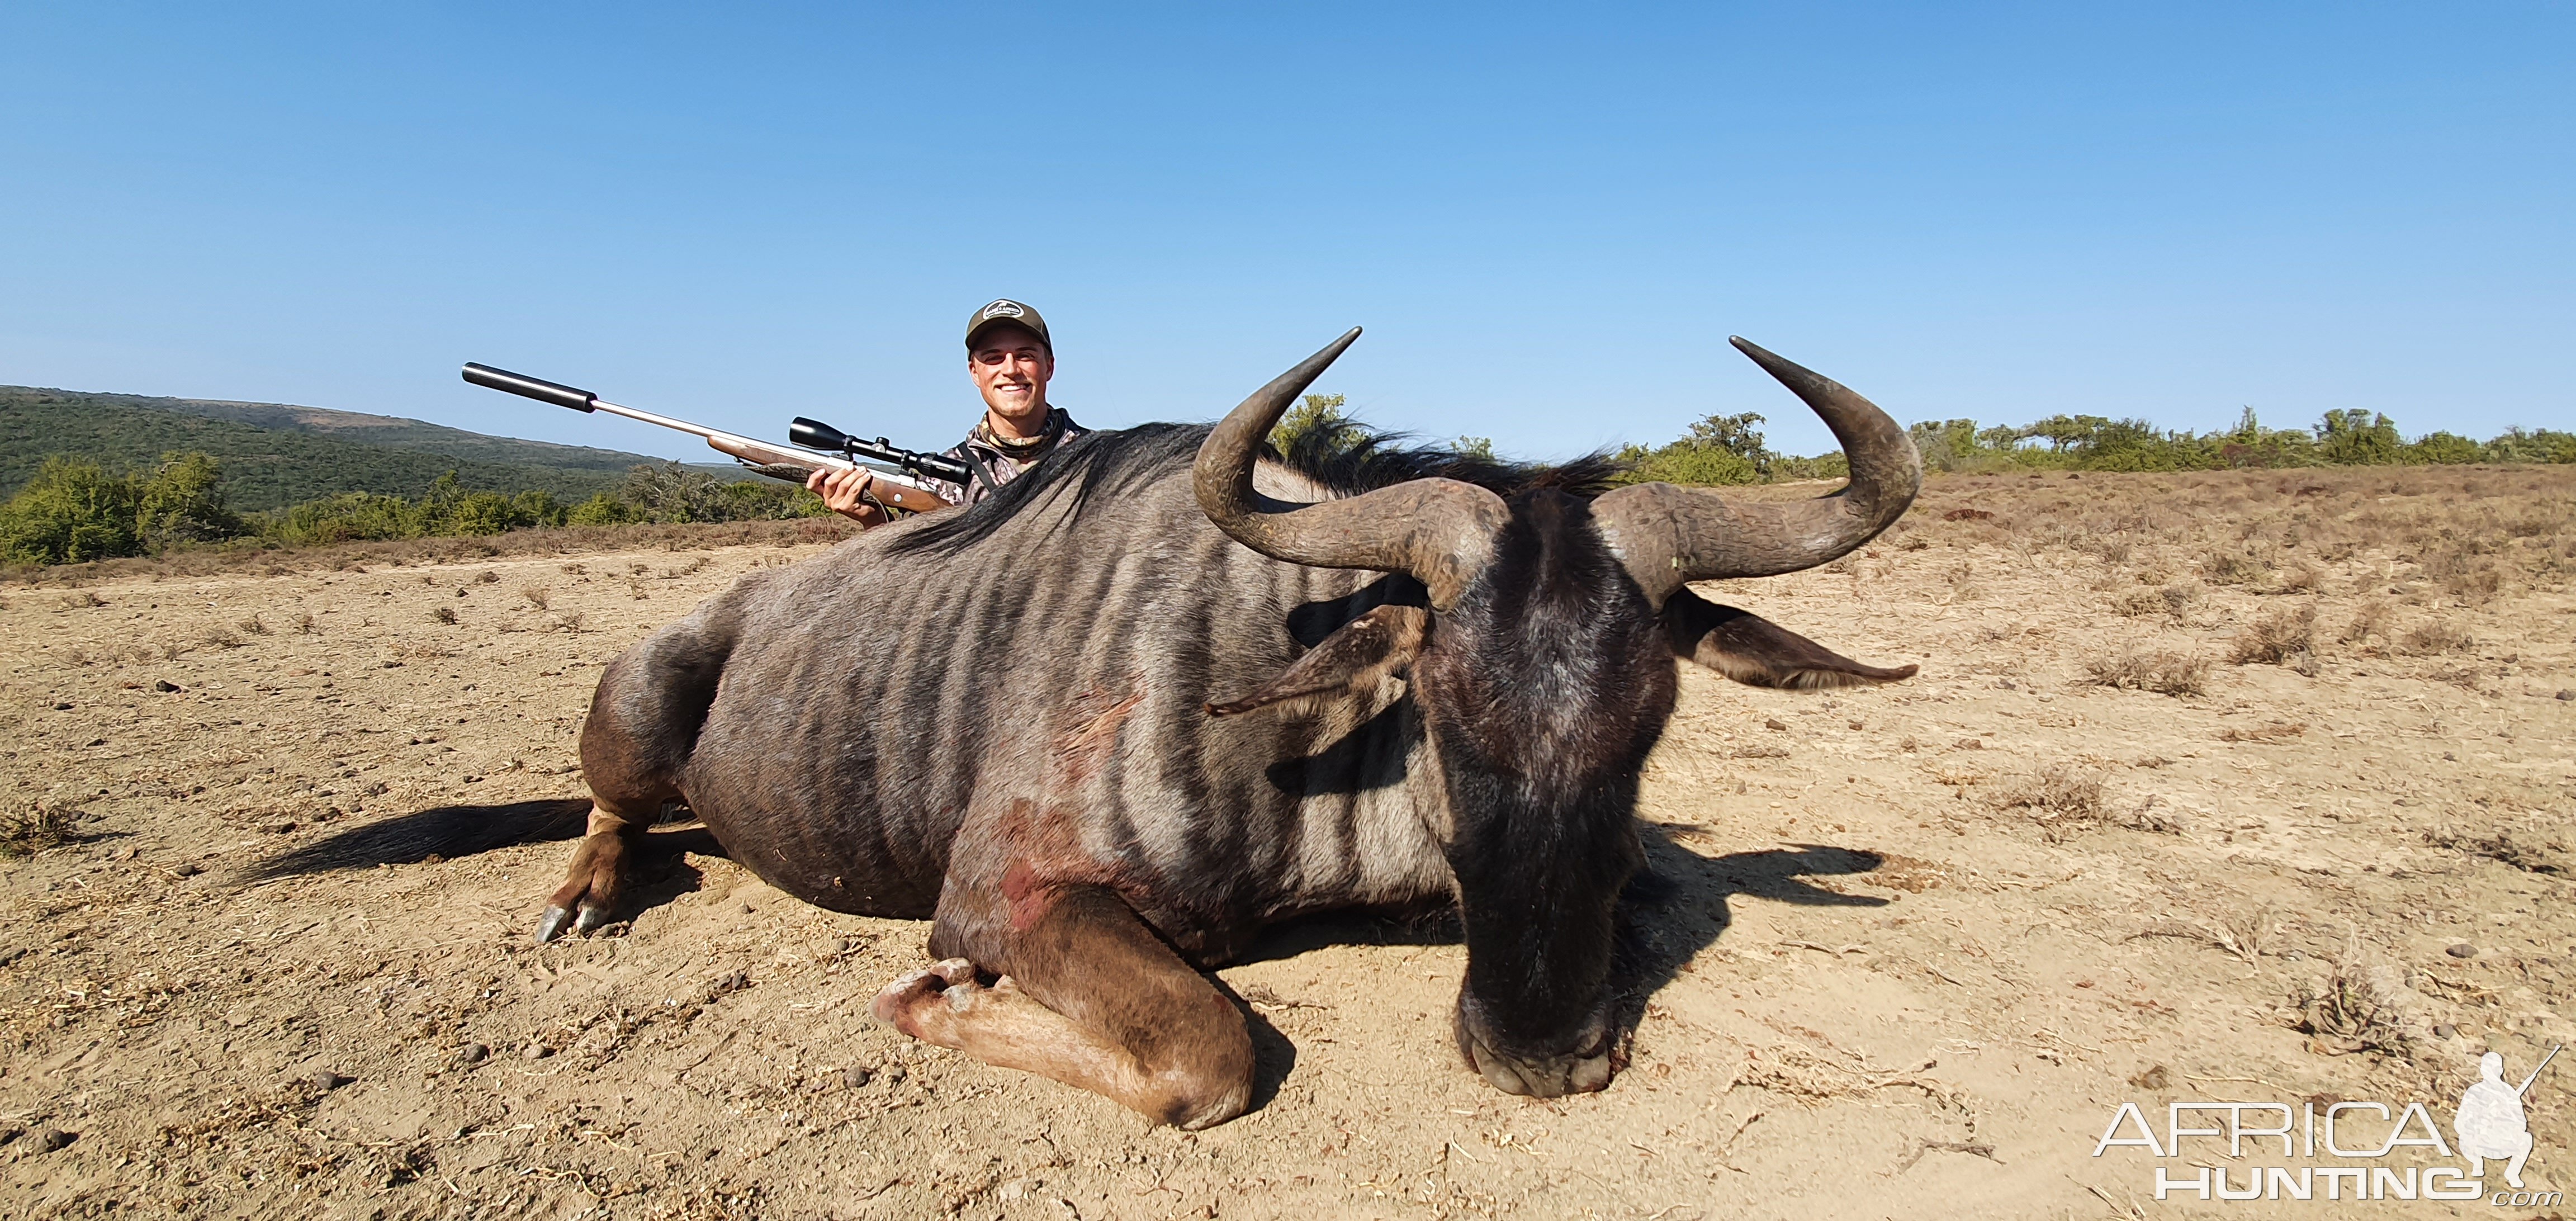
x=1681, y=903
x=448, y=832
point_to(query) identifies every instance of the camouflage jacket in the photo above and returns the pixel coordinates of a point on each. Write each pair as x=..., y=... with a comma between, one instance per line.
x=1002, y=460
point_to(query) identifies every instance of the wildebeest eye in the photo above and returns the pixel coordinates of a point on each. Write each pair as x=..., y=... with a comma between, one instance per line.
x=1349, y=662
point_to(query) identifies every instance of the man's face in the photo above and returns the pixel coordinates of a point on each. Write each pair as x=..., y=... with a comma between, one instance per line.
x=1011, y=368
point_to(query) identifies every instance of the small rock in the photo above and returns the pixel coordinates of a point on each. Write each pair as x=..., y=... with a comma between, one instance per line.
x=62, y=707
x=165, y=686
x=49, y=1139
x=538, y=1051
x=1775, y=723
x=188, y=869
x=2445, y=1031
x=325, y=1080
x=277, y=828
x=473, y=1053
x=2567, y=695
x=1971, y=744
x=2462, y=950
x=121, y=854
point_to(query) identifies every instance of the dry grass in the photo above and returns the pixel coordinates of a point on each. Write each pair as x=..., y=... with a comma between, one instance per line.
x=2172, y=600
x=2232, y=568
x=27, y=828
x=2526, y=851
x=2058, y=796
x=444, y=614
x=536, y=595
x=2277, y=638
x=2241, y=935
x=2277, y=731
x=2371, y=620
x=2304, y=579
x=2161, y=671
x=254, y=557
x=2358, y=1008
x=2437, y=637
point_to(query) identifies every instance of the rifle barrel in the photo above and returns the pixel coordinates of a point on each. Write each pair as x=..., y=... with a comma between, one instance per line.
x=2535, y=1072
x=751, y=453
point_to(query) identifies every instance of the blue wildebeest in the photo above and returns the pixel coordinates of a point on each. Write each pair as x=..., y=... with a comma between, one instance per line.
x=1166, y=691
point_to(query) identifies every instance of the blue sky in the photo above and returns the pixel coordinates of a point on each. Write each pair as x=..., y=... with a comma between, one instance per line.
x=1548, y=219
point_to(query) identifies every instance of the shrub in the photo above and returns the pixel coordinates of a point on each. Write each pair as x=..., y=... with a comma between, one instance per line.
x=27, y=828
x=2435, y=637
x=2276, y=638
x=2161, y=671
x=71, y=512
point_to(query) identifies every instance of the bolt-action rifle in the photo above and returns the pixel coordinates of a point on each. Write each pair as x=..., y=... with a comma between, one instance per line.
x=901, y=474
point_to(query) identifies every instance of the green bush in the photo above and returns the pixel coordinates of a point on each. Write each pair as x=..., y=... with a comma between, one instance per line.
x=74, y=511
x=2443, y=448
x=601, y=509
x=183, y=502
x=70, y=512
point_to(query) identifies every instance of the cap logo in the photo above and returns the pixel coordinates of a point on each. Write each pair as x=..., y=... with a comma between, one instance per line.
x=1004, y=309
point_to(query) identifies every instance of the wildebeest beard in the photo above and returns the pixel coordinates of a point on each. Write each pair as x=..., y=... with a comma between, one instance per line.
x=1541, y=773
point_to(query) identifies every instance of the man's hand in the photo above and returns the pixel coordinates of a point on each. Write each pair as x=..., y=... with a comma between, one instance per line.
x=845, y=493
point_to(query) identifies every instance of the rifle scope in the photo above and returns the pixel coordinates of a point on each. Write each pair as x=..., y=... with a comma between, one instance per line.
x=815, y=434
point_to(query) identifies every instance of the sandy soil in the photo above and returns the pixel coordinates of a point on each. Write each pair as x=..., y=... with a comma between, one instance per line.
x=1907, y=949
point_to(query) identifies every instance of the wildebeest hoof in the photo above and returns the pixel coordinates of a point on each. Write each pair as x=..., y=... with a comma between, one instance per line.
x=902, y=1001
x=551, y=924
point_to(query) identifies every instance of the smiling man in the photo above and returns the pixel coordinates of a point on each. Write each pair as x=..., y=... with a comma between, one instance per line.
x=1011, y=359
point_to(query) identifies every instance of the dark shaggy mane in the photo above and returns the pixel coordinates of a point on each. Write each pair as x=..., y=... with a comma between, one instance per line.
x=1357, y=460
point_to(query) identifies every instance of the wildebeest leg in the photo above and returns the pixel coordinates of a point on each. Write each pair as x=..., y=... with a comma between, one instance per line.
x=598, y=875
x=1089, y=996
x=646, y=712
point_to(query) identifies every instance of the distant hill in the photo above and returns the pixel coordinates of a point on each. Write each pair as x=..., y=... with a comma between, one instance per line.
x=276, y=454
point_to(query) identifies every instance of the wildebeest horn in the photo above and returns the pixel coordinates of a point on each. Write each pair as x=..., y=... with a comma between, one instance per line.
x=1667, y=536
x=1440, y=531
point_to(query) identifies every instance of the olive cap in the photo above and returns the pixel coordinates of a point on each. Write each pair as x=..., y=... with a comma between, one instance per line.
x=1007, y=311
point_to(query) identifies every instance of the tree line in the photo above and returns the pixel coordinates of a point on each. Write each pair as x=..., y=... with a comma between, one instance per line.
x=75, y=510
x=1729, y=449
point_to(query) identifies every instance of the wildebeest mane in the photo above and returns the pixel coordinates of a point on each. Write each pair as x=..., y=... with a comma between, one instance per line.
x=1349, y=461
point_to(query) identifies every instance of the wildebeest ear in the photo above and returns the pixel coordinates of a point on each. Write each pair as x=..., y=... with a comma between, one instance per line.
x=1349, y=662
x=1753, y=650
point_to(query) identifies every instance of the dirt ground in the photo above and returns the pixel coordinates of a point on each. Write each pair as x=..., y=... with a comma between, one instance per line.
x=1904, y=953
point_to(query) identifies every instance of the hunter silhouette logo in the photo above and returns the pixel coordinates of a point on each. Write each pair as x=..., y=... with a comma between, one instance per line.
x=2490, y=1123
